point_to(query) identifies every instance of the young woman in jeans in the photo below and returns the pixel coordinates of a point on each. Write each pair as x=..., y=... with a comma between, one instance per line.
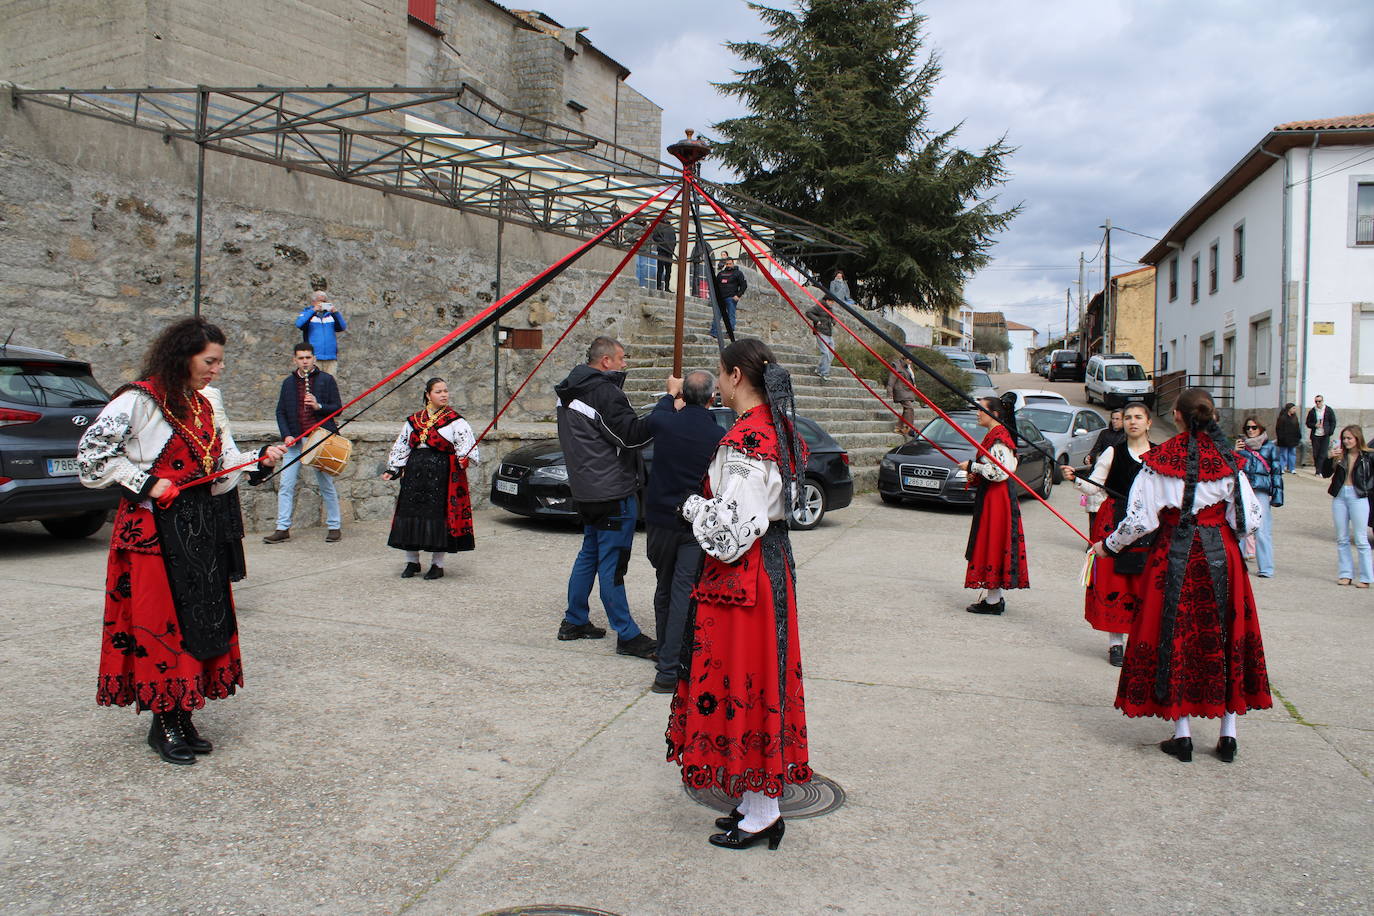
x=1352, y=477
x=1264, y=468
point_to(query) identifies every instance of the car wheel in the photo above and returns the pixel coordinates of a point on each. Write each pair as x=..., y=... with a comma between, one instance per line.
x=891, y=499
x=75, y=526
x=1088, y=394
x=1046, y=483
x=1055, y=473
x=809, y=512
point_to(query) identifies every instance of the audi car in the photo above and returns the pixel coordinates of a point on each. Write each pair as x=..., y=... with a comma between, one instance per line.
x=533, y=481
x=46, y=402
x=917, y=471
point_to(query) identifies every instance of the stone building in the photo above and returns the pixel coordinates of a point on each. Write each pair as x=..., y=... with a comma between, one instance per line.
x=1132, y=319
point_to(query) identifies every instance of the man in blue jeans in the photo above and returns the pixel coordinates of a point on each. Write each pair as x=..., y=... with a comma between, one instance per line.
x=308, y=395
x=601, y=439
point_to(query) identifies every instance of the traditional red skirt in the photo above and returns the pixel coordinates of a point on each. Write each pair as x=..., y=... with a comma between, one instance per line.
x=997, y=546
x=142, y=660
x=727, y=726
x=1207, y=675
x=1112, y=599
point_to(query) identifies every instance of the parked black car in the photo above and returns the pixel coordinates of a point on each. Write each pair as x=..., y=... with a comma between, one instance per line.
x=1066, y=364
x=533, y=481
x=46, y=403
x=982, y=361
x=916, y=471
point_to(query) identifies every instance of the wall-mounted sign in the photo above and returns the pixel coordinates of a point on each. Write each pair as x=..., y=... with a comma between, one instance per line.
x=1324, y=327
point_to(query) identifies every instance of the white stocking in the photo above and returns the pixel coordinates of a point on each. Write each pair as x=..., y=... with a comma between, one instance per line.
x=994, y=595
x=762, y=811
x=1117, y=639
x=439, y=558
x=412, y=556
x=1228, y=725
x=1181, y=728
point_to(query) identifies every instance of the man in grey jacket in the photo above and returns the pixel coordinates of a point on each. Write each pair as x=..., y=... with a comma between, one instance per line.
x=601, y=439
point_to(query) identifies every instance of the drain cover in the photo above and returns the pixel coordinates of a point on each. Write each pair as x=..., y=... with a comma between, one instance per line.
x=812, y=799
x=547, y=909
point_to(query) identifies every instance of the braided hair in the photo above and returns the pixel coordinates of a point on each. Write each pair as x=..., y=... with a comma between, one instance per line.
x=758, y=364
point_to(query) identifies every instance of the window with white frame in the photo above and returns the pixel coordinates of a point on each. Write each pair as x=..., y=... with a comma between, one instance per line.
x=1362, y=344
x=1238, y=251
x=1261, y=348
x=1173, y=278
x=1196, y=277
x=1363, y=211
x=1206, y=349
x=1213, y=266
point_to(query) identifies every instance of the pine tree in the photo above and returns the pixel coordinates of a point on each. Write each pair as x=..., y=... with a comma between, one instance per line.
x=838, y=135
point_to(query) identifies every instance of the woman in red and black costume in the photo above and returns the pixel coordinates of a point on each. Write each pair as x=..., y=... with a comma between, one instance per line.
x=1195, y=648
x=1117, y=587
x=996, y=550
x=434, y=509
x=170, y=639
x=738, y=718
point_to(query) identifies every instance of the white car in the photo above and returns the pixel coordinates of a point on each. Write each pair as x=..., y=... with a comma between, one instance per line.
x=1026, y=397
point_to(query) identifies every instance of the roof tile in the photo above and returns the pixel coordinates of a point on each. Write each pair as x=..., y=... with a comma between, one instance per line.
x=1347, y=122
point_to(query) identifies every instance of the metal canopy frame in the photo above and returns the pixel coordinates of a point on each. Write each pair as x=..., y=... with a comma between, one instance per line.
x=452, y=147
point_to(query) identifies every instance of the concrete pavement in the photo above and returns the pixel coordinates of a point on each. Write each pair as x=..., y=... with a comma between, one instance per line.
x=429, y=747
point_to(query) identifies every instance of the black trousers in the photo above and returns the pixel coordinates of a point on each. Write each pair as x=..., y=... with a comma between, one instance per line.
x=1320, y=459
x=665, y=267
x=676, y=557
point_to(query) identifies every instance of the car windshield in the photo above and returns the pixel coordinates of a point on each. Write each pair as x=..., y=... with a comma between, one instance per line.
x=1126, y=373
x=942, y=433
x=1051, y=421
x=41, y=384
x=979, y=378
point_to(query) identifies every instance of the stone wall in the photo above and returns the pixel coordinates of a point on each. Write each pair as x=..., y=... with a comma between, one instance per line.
x=137, y=43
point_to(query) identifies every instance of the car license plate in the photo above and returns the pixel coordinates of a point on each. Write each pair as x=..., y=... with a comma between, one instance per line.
x=507, y=486
x=922, y=483
x=63, y=467
x=1135, y=397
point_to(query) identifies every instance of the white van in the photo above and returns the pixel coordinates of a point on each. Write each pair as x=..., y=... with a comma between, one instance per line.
x=1116, y=380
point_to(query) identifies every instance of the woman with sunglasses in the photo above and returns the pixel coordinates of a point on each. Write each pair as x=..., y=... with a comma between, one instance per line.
x=1264, y=468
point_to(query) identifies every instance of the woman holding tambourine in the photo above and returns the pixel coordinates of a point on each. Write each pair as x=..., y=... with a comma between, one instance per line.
x=431, y=457
x=1114, y=593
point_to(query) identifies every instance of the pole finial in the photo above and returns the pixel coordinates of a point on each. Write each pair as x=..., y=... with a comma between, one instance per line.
x=690, y=150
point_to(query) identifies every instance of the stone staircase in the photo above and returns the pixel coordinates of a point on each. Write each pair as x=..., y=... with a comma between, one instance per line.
x=840, y=405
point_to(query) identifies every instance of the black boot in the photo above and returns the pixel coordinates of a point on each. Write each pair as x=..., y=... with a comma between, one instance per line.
x=435, y=572
x=193, y=739
x=166, y=738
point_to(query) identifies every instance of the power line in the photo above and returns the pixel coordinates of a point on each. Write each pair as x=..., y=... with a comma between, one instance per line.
x=1339, y=167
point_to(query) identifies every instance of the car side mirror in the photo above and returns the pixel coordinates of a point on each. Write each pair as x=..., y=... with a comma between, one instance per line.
x=1080, y=431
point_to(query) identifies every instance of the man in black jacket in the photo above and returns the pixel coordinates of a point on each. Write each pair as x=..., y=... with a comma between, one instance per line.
x=665, y=250
x=685, y=439
x=308, y=395
x=601, y=439
x=731, y=284
x=1321, y=420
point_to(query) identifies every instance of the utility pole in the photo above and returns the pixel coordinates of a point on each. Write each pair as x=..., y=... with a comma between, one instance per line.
x=1082, y=338
x=1068, y=298
x=1107, y=316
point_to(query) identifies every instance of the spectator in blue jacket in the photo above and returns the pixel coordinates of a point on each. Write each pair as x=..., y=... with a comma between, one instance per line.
x=685, y=441
x=1264, y=467
x=322, y=323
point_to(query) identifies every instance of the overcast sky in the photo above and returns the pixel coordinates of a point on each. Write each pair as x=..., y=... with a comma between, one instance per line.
x=1120, y=109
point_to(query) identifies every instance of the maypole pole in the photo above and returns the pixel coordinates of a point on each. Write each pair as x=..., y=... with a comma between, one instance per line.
x=689, y=152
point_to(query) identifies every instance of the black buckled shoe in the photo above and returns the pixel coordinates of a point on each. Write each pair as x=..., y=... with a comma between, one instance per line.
x=165, y=737
x=579, y=631
x=435, y=572
x=983, y=607
x=410, y=570
x=1182, y=748
x=730, y=821
x=735, y=838
x=1116, y=656
x=1226, y=749
x=188, y=731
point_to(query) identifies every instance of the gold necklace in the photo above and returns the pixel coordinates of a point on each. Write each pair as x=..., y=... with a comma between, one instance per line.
x=206, y=457
x=433, y=418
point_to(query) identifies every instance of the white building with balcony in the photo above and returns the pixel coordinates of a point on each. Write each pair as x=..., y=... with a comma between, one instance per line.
x=1269, y=278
